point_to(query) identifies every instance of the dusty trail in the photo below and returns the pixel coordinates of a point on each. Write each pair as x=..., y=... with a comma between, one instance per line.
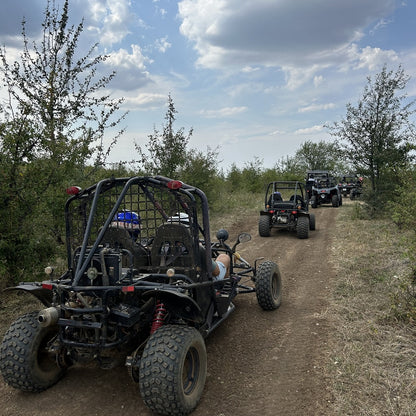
x=265, y=363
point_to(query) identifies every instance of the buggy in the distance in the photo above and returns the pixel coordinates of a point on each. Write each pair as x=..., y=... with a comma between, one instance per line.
x=286, y=206
x=323, y=189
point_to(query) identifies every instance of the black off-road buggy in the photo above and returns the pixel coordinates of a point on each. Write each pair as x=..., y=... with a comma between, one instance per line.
x=323, y=189
x=286, y=206
x=346, y=184
x=139, y=290
x=351, y=185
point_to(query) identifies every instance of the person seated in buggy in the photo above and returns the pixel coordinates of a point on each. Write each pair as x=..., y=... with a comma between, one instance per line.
x=123, y=233
x=275, y=198
x=129, y=221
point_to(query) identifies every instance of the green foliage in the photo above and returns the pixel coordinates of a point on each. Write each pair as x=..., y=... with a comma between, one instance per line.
x=200, y=170
x=377, y=135
x=254, y=177
x=288, y=169
x=319, y=156
x=51, y=126
x=58, y=92
x=403, y=305
x=402, y=209
x=249, y=179
x=166, y=151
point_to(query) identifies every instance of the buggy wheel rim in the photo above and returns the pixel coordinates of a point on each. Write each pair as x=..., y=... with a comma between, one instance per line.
x=190, y=371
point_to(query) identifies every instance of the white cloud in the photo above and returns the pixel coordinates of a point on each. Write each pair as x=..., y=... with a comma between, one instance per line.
x=122, y=58
x=318, y=80
x=249, y=69
x=145, y=101
x=300, y=36
x=297, y=76
x=373, y=58
x=310, y=130
x=223, y=112
x=130, y=68
x=162, y=44
x=110, y=19
x=276, y=133
x=382, y=23
x=316, y=107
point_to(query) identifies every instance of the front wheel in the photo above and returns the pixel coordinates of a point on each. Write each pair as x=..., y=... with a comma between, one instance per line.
x=26, y=361
x=173, y=369
x=269, y=286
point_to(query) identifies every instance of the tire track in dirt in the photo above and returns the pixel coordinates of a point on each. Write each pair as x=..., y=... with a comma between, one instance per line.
x=268, y=363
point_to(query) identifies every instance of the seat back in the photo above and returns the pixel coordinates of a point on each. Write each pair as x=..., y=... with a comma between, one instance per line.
x=120, y=238
x=299, y=200
x=173, y=246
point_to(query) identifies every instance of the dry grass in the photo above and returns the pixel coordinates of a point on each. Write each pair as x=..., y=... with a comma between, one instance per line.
x=234, y=207
x=372, y=363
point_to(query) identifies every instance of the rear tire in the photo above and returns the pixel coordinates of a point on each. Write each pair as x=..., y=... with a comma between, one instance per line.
x=269, y=286
x=314, y=201
x=302, y=227
x=25, y=362
x=173, y=369
x=264, y=226
x=335, y=201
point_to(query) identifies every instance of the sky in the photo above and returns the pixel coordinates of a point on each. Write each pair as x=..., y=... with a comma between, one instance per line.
x=254, y=80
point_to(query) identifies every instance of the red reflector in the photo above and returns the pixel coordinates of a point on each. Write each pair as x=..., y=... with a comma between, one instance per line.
x=294, y=212
x=271, y=211
x=127, y=289
x=47, y=286
x=73, y=190
x=175, y=184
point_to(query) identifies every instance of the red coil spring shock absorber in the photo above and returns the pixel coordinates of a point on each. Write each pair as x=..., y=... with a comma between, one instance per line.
x=159, y=317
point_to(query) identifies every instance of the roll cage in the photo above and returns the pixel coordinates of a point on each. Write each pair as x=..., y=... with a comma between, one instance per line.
x=157, y=200
x=291, y=193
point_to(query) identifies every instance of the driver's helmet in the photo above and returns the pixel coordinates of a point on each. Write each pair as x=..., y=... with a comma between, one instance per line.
x=127, y=219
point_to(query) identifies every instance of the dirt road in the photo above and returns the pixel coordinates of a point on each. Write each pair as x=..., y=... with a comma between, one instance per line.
x=259, y=363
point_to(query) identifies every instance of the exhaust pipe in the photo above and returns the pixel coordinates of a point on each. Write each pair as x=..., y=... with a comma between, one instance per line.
x=49, y=316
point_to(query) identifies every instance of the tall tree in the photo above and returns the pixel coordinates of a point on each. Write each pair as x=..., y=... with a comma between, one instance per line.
x=60, y=92
x=167, y=150
x=51, y=126
x=377, y=133
x=319, y=156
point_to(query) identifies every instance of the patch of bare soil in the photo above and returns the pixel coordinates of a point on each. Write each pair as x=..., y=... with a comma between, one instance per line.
x=259, y=363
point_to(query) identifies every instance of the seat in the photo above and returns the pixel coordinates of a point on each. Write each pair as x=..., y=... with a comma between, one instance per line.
x=120, y=238
x=173, y=246
x=299, y=200
x=275, y=199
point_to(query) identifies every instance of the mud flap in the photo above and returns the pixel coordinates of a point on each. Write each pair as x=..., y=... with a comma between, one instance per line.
x=35, y=289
